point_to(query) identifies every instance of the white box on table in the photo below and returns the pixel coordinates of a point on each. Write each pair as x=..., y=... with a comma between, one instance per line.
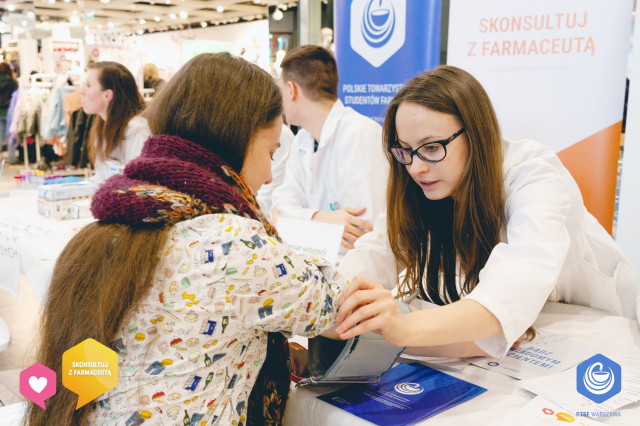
x=67, y=191
x=65, y=209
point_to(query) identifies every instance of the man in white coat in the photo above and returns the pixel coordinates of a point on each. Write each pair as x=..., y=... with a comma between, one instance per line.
x=337, y=170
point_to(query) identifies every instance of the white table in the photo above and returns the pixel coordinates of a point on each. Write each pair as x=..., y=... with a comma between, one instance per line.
x=29, y=242
x=603, y=331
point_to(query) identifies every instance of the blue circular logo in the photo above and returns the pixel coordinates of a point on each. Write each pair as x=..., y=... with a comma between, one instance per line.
x=493, y=364
x=378, y=22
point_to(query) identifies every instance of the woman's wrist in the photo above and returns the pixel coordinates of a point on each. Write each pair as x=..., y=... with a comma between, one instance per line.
x=409, y=330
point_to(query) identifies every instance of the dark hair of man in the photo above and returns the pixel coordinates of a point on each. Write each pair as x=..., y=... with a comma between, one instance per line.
x=314, y=69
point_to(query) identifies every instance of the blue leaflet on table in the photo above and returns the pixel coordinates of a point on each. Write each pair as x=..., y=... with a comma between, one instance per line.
x=406, y=395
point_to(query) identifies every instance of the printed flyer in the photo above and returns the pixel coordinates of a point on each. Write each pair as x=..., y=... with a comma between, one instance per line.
x=406, y=395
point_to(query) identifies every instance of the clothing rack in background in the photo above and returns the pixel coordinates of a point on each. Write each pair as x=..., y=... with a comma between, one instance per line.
x=46, y=82
x=43, y=76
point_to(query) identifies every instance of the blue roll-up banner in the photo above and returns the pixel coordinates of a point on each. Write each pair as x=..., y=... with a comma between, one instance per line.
x=380, y=46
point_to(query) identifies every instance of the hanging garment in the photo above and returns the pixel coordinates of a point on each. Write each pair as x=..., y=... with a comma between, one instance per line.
x=54, y=121
x=77, y=137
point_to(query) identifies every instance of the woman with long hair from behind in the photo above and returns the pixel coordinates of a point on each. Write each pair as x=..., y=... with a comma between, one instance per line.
x=183, y=276
x=487, y=229
x=118, y=132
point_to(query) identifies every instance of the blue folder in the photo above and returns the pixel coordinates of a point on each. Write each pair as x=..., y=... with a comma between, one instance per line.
x=406, y=395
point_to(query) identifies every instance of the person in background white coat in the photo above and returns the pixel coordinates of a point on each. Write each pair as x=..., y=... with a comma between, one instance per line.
x=337, y=171
x=487, y=229
x=278, y=166
x=118, y=133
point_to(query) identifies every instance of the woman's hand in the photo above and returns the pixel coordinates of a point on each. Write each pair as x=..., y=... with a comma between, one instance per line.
x=368, y=303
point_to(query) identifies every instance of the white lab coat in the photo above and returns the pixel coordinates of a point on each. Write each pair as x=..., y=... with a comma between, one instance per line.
x=135, y=136
x=278, y=167
x=348, y=170
x=552, y=248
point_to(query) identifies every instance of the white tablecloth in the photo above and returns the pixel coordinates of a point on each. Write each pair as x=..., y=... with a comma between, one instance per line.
x=29, y=242
x=607, y=333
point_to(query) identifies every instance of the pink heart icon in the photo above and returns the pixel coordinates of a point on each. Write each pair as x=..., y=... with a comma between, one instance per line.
x=38, y=383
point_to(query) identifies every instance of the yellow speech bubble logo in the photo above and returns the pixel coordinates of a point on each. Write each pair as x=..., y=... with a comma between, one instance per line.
x=564, y=417
x=89, y=369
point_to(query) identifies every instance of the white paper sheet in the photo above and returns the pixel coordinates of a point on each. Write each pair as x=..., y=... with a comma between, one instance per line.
x=561, y=388
x=453, y=364
x=540, y=412
x=322, y=238
x=547, y=354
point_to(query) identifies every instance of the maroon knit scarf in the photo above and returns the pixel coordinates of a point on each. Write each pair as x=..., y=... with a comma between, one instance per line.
x=173, y=180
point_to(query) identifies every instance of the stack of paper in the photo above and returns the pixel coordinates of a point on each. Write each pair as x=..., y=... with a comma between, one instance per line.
x=452, y=364
x=561, y=388
x=547, y=354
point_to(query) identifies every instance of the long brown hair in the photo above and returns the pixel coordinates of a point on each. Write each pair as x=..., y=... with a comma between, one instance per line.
x=106, y=262
x=127, y=102
x=431, y=236
x=220, y=111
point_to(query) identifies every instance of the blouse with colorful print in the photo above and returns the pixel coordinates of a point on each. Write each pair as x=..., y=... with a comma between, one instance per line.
x=189, y=354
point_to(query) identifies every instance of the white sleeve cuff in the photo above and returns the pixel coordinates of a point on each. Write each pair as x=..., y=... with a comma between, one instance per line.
x=496, y=346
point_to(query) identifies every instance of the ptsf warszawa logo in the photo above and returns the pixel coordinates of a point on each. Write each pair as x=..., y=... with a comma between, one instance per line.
x=599, y=378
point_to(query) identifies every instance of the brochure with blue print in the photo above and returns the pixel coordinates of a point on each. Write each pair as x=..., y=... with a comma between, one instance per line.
x=406, y=395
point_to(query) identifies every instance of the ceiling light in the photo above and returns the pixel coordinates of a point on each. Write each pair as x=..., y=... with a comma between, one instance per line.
x=52, y=1
x=110, y=25
x=283, y=6
x=11, y=7
x=168, y=1
x=157, y=19
x=140, y=32
x=105, y=1
x=277, y=15
x=75, y=12
x=220, y=9
x=31, y=14
x=142, y=22
x=172, y=16
x=183, y=15
x=74, y=20
x=24, y=23
x=204, y=24
x=67, y=1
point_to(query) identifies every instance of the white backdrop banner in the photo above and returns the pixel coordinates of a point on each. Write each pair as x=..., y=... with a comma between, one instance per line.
x=555, y=72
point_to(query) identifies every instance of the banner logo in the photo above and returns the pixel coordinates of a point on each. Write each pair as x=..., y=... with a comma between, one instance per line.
x=599, y=378
x=378, y=28
x=409, y=388
x=378, y=23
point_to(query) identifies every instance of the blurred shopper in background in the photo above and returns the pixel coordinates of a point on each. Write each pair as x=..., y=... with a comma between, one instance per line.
x=118, y=132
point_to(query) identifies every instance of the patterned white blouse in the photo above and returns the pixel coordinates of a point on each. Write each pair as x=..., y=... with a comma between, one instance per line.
x=190, y=353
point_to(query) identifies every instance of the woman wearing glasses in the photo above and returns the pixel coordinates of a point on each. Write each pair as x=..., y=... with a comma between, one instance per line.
x=487, y=230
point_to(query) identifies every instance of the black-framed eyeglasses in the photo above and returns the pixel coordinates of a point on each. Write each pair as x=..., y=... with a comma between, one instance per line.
x=431, y=152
